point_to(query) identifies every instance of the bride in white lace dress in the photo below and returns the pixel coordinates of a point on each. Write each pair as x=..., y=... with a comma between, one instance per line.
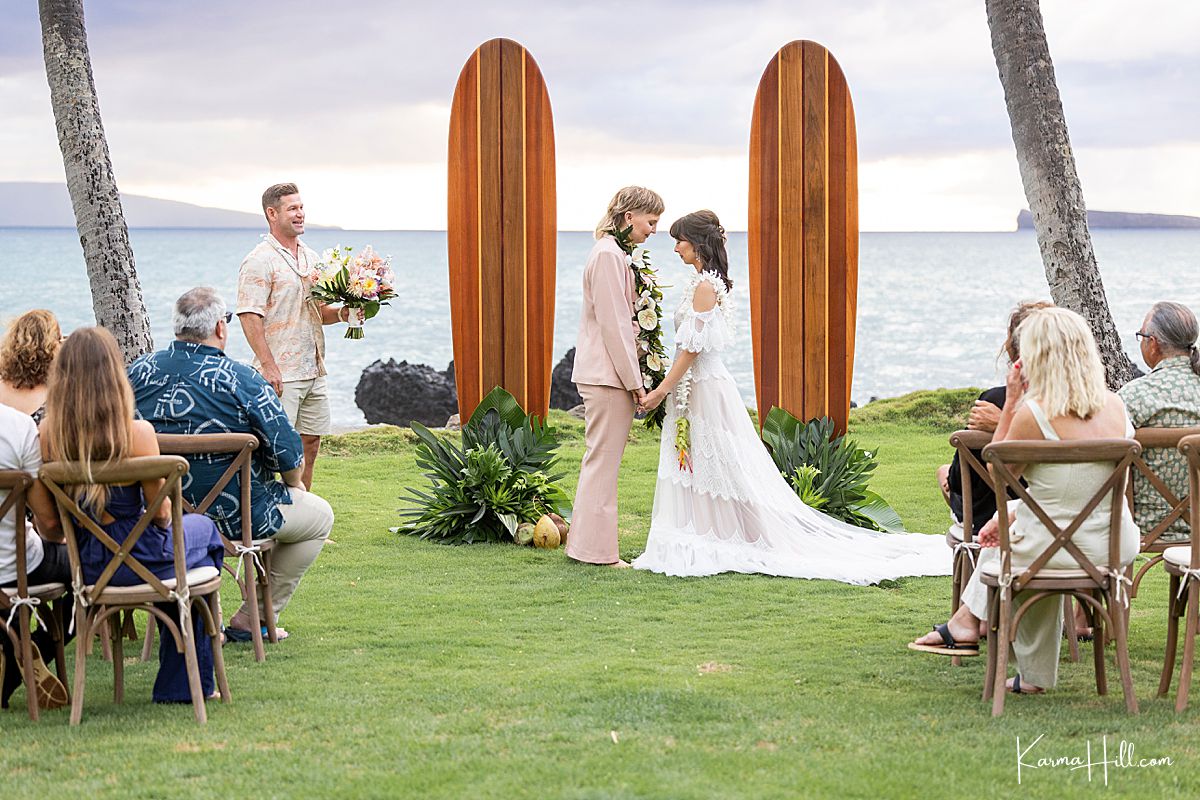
x=731, y=510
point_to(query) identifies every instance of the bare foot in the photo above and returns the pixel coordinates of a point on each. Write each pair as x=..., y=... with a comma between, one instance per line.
x=620, y=563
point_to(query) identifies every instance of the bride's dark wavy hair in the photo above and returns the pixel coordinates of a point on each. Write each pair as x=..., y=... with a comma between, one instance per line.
x=703, y=231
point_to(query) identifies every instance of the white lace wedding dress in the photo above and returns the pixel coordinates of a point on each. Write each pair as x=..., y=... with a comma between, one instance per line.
x=734, y=512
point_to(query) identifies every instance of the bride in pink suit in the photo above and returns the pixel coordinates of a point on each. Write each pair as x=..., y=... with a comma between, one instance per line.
x=723, y=506
x=607, y=373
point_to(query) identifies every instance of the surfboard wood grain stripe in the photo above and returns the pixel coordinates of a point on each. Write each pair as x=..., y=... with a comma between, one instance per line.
x=501, y=228
x=803, y=241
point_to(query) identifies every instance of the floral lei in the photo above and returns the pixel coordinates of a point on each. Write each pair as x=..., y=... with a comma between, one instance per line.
x=652, y=356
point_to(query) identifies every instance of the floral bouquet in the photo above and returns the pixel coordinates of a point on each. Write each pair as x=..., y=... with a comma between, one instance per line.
x=363, y=281
x=652, y=356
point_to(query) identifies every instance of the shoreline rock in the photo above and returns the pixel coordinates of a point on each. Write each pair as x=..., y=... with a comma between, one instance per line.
x=401, y=393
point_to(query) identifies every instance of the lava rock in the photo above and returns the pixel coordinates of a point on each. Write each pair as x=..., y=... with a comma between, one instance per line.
x=563, y=393
x=402, y=393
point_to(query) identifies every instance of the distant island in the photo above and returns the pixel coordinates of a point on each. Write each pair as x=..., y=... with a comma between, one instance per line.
x=47, y=205
x=1122, y=219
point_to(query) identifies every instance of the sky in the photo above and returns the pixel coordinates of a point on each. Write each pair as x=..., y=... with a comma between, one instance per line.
x=210, y=102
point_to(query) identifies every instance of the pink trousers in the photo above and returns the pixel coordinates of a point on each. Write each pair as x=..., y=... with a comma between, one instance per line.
x=608, y=415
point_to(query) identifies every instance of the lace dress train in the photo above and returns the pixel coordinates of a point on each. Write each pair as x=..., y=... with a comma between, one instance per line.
x=734, y=512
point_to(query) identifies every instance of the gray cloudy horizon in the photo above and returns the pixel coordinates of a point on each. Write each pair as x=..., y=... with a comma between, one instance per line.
x=205, y=102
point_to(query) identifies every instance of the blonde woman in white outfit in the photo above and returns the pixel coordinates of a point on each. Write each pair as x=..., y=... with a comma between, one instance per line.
x=1056, y=392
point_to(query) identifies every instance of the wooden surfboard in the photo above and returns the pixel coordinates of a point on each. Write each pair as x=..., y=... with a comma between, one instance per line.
x=502, y=228
x=803, y=238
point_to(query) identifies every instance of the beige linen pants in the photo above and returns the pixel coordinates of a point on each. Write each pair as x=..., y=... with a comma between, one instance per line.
x=1039, y=636
x=306, y=525
x=608, y=415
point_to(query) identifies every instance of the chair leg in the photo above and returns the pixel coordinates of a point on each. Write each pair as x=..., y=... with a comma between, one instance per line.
x=1099, y=634
x=1003, y=636
x=1189, y=646
x=268, y=600
x=83, y=642
x=1121, y=635
x=1068, y=605
x=956, y=583
x=1164, y=682
x=118, y=658
x=989, y=675
x=250, y=590
x=214, y=606
x=193, y=665
x=148, y=639
x=58, y=626
x=26, y=656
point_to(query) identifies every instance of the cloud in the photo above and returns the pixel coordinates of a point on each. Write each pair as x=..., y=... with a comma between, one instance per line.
x=223, y=93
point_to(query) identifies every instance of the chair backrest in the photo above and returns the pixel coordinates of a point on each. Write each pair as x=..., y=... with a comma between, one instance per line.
x=16, y=483
x=966, y=441
x=1004, y=455
x=1166, y=439
x=60, y=476
x=239, y=445
x=1190, y=447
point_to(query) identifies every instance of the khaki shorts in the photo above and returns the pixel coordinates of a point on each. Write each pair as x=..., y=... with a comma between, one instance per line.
x=306, y=404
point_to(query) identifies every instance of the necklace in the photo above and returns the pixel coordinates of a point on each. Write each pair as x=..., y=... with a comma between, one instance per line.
x=284, y=253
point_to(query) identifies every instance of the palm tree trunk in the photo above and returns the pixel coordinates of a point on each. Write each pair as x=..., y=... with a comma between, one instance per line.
x=1048, y=174
x=116, y=293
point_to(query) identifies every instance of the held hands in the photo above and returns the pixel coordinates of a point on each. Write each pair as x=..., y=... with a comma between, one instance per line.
x=984, y=416
x=352, y=316
x=651, y=400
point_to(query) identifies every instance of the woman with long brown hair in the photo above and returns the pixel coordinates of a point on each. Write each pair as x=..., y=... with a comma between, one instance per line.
x=89, y=419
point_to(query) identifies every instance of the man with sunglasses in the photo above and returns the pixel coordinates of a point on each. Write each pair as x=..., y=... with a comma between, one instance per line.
x=192, y=387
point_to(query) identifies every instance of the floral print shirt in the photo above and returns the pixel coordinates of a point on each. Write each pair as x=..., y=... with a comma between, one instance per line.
x=1168, y=397
x=277, y=287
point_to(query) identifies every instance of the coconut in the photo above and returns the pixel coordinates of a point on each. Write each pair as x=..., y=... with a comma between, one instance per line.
x=545, y=534
x=562, y=525
x=524, y=534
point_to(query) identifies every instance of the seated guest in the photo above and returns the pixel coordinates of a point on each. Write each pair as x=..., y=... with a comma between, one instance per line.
x=1168, y=397
x=89, y=419
x=985, y=414
x=1056, y=391
x=193, y=387
x=26, y=353
x=45, y=555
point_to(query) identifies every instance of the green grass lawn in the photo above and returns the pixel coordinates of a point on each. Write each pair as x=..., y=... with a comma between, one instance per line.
x=419, y=670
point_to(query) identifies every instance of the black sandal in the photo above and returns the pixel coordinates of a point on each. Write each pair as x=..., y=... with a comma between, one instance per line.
x=948, y=647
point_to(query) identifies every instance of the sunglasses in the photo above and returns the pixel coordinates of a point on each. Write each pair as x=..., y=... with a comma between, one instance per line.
x=1139, y=335
x=228, y=317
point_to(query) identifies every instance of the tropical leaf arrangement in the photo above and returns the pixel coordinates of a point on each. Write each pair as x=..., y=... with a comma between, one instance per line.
x=499, y=477
x=828, y=472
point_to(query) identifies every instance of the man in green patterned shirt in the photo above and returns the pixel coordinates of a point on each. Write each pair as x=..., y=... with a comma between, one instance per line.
x=1169, y=397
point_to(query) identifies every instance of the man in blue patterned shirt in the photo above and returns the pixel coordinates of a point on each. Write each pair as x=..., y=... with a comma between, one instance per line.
x=192, y=387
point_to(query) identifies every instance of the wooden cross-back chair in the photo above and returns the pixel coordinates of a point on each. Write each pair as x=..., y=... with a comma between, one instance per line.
x=18, y=603
x=966, y=550
x=1182, y=563
x=97, y=602
x=1100, y=587
x=253, y=575
x=1152, y=544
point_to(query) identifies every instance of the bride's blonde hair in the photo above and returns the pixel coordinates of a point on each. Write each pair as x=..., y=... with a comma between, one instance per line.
x=637, y=199
x=1062, y=364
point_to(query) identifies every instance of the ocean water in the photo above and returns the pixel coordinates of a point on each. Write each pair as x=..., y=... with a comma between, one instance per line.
x=932, y=307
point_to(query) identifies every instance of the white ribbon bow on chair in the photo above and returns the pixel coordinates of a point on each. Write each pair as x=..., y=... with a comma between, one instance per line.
x=971, y=547
x=255, y=551
x=17, y=602
x=1189, y=574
